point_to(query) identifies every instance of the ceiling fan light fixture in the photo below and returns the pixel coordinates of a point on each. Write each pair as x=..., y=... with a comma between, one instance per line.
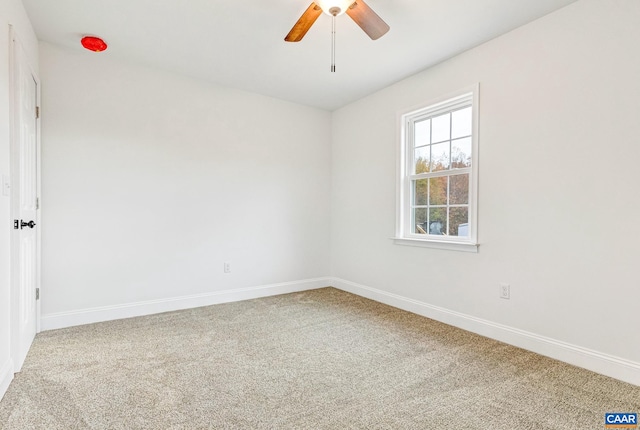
x=358, y=11
x=328, y=6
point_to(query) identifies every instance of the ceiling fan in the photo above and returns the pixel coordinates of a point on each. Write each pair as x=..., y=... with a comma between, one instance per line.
x=358, y=10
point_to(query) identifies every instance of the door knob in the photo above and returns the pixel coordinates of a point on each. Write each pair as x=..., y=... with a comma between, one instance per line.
x=29, y=224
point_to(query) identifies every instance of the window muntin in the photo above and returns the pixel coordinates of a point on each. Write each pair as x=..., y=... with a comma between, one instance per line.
x=438, y=186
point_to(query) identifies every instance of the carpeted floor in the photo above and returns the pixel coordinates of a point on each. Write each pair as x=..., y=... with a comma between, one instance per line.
x=321, y=359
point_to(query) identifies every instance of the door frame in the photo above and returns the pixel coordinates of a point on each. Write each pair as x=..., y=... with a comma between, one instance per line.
x=15, y=46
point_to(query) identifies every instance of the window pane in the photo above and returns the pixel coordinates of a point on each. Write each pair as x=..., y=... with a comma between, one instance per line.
x=441, y=128
x=459, y=222
x=461, y=153
x=440, y=156
x=459, y=190
x=461, y=123
x=438, y=191
x=419, y=221
x=437, y=220
x=421, y=157
x=422, y=131
x=420, y=192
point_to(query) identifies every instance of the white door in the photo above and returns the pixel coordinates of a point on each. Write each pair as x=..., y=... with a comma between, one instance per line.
x=24, y=205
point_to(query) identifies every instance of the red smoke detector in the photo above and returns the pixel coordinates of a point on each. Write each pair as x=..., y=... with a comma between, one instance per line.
x=93, y=43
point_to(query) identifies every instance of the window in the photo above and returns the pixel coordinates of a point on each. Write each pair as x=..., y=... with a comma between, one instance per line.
x=438, y=174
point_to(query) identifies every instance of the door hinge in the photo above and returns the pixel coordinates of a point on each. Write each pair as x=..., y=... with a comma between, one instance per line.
x=37, y=203
x=37, y=112
x=37, y=293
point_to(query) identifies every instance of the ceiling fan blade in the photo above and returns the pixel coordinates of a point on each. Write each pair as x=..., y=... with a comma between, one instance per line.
x=304, y=23
x=367, y=19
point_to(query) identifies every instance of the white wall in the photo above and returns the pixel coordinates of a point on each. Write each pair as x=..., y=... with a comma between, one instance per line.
x=559, y=177
x=11, y=13
x=151, y=181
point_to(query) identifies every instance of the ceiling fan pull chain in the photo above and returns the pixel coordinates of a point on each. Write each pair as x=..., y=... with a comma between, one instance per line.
x=333, y=44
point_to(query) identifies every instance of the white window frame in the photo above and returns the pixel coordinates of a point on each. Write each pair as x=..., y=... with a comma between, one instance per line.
x=406, y=119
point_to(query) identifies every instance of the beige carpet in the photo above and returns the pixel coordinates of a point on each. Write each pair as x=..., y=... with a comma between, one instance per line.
x=321, y=359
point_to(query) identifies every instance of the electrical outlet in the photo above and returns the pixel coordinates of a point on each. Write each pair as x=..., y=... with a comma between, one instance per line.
x=227, y=267
x=505, y=291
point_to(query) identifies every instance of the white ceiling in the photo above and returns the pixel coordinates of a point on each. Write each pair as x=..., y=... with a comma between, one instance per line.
x=240, y=44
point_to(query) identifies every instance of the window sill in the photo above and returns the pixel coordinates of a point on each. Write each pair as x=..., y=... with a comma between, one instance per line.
x=449, y=246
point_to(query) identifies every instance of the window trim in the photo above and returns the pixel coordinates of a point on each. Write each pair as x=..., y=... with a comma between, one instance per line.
x=403, y=235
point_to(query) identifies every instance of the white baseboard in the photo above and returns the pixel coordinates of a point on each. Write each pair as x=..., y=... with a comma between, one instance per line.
x=605, y=364
x=6, y=376
x=128, y=310
x=615, y=367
